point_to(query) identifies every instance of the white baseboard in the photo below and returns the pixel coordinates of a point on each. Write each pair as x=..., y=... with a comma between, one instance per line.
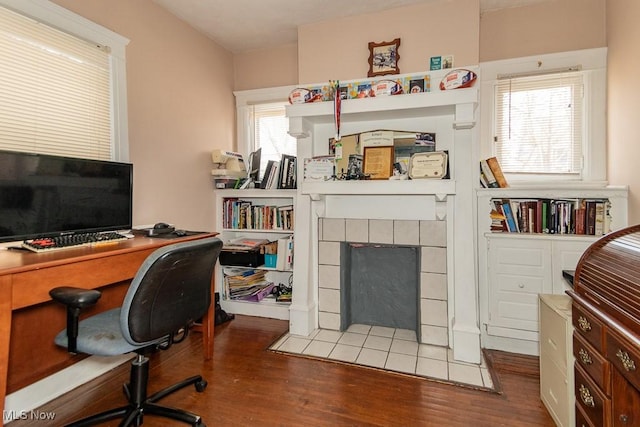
x=19, y=404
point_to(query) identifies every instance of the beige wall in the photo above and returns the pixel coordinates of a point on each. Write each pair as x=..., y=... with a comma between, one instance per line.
x=180, y=105
x=623, y=139
x=548, y=27
x=338, y=49
x=272, y=67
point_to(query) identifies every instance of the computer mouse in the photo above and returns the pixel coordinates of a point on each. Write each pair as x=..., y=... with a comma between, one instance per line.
x=180, y=233
x=161, y=226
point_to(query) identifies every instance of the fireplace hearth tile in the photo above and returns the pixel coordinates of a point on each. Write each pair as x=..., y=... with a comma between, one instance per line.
x=351, y=338
x=405, y=334
x=403, y=356
x=377, y=343
x=401, y=363
x=404, y=347
x=345, y=353
x=382, y=331
x=371, y=357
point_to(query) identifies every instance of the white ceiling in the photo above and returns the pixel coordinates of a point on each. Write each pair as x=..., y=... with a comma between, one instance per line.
x=242, y=25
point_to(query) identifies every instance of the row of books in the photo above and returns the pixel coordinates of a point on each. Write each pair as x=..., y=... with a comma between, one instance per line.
x=243, y=214
x=246, y=284
x=280, y=174
x=552, y=216
x=491, y=175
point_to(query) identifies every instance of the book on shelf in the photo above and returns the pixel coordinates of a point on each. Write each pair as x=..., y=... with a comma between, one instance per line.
x=244, y=244
x=287, y=175
x=271, y=171
x=491, y=175
x=552, y=216
x=239, y=214
x=486, y=175
x=284, y=261
x=496, y=170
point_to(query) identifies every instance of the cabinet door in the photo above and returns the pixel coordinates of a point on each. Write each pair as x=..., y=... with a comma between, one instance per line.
x=519, y=270
x=565, y=256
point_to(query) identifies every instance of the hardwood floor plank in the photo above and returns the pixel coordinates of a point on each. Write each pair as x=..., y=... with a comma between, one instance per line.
x=251, y=386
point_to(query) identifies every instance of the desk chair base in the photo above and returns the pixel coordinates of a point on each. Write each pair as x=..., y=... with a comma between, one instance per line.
x=139, y=404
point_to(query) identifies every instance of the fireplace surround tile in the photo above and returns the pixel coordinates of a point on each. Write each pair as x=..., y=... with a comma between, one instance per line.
x=433, y=233
x=433, y=286
x=333, y=229
x=357, y=230
x=429, y=235
x=406, y=232
x=433, y=260
x=381, y=231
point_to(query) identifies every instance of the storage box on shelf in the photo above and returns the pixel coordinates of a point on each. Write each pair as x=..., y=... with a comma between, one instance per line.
x=256, y=215
x=514, y=267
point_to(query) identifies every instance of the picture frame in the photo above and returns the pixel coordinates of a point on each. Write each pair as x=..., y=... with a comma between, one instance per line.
x=378, y=162
x=383, y=58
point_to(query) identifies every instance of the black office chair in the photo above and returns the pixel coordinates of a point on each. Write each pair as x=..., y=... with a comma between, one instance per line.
x=170, y=291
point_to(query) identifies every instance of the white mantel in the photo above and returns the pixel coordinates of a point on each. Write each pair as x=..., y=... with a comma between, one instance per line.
x=452, y=115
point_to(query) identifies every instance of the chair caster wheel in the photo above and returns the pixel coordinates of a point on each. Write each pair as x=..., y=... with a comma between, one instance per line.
x=200, y=386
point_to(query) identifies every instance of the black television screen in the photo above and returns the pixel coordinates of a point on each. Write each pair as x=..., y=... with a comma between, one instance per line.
x=45, y=196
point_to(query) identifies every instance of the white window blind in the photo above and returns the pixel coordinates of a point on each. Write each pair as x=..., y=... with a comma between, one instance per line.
x=270, y=130
x=539, y=124
x=55, y=91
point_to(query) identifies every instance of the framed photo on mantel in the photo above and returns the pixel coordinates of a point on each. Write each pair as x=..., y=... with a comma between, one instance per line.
x=383, y=58
x=378, y=162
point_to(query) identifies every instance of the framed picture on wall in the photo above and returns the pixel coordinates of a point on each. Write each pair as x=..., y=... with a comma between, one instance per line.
x=383, y=58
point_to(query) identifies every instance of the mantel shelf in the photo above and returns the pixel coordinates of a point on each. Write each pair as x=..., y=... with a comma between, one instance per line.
x=440, y=187
x=436, y=103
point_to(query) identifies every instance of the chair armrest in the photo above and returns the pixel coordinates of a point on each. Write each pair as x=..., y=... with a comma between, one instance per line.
x=75, y=297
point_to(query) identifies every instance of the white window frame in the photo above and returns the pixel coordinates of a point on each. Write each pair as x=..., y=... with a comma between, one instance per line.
x=593, y=63
x=58, y=17
x=244, y=100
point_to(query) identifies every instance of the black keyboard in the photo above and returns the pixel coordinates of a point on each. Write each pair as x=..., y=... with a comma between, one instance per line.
x=45, y=244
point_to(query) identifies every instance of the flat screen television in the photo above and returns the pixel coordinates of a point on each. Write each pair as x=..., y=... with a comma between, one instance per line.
x=46, y=196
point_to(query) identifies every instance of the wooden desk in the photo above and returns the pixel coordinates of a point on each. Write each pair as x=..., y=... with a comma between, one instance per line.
x=27, y=277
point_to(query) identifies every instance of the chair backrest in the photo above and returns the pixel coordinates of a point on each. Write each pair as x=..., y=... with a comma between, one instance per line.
x=171, y=290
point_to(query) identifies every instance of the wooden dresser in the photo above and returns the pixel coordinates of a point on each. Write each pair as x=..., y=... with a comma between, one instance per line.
x=606, y=338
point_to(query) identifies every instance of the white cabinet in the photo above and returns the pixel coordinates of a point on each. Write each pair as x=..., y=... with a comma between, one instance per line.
x=514, y=268
x=267, y=307
x=556, y=358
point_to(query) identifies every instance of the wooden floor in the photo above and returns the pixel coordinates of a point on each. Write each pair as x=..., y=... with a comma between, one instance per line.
x=250, y=386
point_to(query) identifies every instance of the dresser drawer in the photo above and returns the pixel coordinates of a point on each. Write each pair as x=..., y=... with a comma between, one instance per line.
x=625, y=357
x=593, y=363
x=589, y=327
x=595, y=405
x=581, y=418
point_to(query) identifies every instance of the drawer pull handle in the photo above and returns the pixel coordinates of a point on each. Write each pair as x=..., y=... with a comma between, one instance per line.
x=584, y=324
x=584, y=356
x=627, y=362
x=586, y=397
x=623, y=419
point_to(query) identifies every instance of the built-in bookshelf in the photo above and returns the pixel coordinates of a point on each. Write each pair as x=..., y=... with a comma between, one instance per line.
x=527, y=236
x=552, y=216
x=243, y=214
x=259, y=216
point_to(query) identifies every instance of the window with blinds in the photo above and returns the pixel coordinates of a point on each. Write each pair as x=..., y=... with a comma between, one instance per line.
x=270, y=126
x=55, y=91
x=539, y=124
